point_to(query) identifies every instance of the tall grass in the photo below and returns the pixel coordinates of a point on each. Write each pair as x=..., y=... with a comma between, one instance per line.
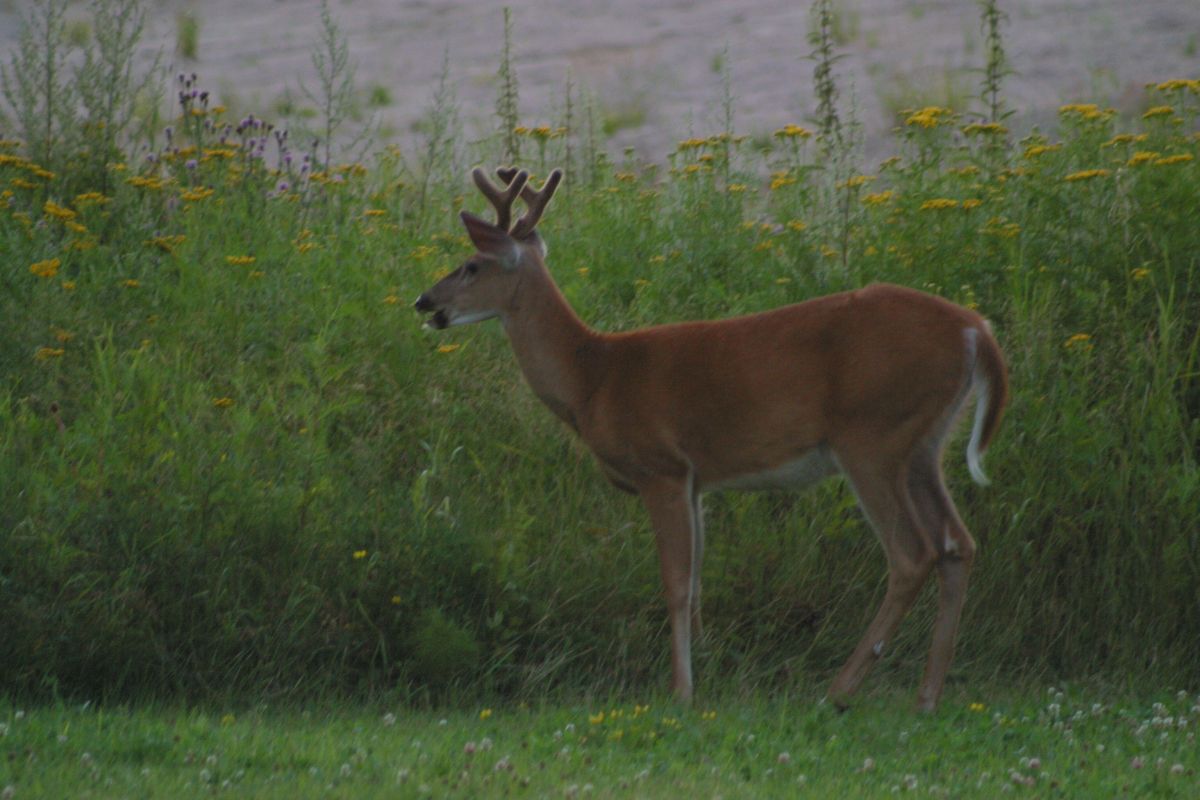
x=233, y=462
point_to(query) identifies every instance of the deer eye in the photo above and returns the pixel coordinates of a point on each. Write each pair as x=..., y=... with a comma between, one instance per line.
x=471, y=268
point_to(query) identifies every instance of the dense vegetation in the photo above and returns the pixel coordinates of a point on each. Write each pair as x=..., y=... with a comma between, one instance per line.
x=232, y=463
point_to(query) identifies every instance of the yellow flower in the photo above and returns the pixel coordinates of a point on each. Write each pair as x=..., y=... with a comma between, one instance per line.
x=374, y=212
x=195, y=195
x=796, y=225
x=977, y=707
x=1086, y=174
x=53, y=209
x=1078, y=340
x=736, y=188
x=708, y=715
x=691, y=144
x=239, y=261
x=167, y=243
x=878, y=198
x=63, y=335
x=68, y=285
x=970, y=203
x=392, y=299
x=988, y=128
x=929, y=117
x=583, y=272
x=1142, y=157
x=1158, y=111
x=397, y=599
x=1179, y=158
x=1141, y=273
x=359, y=555
x=485, y=713
x=140, y=182
x=939, y=203
x=791, y=131
x=780, y=180
x=855, y=181
x=47, y=353
x=596, y=719
x=45, y=269
x=222, y=402
x=1036, y=150
x=131, y=283
x=448, y=348
x=1177, y=84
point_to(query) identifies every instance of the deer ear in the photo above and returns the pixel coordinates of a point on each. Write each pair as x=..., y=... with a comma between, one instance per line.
x=491, y=240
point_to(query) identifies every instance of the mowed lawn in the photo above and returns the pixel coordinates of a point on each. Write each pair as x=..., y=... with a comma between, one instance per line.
x=1041, y=742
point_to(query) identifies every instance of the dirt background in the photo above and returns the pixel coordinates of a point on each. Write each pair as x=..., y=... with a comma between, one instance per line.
x=654, y=69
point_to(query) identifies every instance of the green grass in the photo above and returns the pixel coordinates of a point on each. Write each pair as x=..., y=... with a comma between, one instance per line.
x=1077, y=742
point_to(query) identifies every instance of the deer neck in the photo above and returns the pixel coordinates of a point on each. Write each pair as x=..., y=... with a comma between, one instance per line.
x=557, y=352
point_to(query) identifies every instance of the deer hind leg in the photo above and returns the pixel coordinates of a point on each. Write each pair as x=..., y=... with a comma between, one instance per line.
x=697, y=560
x=672, y=515
x=955, y=554
x=884, y=499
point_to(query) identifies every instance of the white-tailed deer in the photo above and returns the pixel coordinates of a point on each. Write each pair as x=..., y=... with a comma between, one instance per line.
x=867, y=383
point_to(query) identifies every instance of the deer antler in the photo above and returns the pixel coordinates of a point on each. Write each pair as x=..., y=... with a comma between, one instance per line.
x=537, y=200
x=501, y=200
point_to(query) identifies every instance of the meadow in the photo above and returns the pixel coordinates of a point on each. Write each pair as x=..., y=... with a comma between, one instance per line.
x=237, y=471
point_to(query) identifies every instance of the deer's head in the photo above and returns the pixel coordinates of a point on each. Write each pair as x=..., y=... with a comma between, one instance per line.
x=485, y=284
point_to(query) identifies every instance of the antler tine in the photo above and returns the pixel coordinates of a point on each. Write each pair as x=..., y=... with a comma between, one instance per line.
x=537, y=202
x=501, y=200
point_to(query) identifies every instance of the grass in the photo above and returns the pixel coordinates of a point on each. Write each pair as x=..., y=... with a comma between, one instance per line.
x=1065, y=742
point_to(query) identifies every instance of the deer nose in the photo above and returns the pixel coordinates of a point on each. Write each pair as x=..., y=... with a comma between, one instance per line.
x=423, y=303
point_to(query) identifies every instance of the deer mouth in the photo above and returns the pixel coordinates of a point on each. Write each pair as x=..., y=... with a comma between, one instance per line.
x=439, y=320
x=437, y=316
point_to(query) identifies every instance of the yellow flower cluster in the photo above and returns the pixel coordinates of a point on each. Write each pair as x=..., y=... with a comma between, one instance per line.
x=780, y=180
x=1125, y=138
x=45, y=269
x=167, y=243
x=542, y=132
x=929, y=117
x=196, y=195
x=878, y=198
x=1180, y=84
x=222, y=402
x=938, y=204
x=47, y=353
x=53, y=209
x=240, y=261
x=1033, y=151
x=1158, y=111
x=1086, y=174
x=1178, y=158
x=856, y=181
x=985, y=128
x=143, y=182
x=1079, y=340
x=1087, y=111
x=791, y=131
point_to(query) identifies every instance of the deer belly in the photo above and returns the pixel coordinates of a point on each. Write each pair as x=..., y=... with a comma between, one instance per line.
x=812, y=467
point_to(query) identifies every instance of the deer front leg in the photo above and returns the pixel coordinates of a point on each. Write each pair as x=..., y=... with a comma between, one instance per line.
x=697, y=561
x=672, y=511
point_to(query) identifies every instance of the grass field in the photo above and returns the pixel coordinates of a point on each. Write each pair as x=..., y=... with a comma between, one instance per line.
x=1048, y=742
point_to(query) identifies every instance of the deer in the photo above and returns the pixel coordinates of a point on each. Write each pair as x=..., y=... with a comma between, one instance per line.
x=868, y=384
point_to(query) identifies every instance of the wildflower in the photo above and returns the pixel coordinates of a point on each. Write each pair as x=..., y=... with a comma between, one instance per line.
x=985, y=128
x=939, y=203
x=970, y=203
x=485, y=713
x=45, y=269
x=736, y=188
x=929, y=117
x=783, y=281
x=374, y=212
x=1033, y=151
x=131, y=283
x=448, y=348
x=855, y=181
x=53, y=209
x=222, y=402
x=239, y=261
x=1086, y=174
x=691, y=144
x=140, y=182
x=878, y=198
x=1087, y=111
x=583, y=272
x=360, y=555
x=256, y=273
x=304, y=247
x=796, y=225
x=1141, y=273
x=708, y=715
x=397, y=599
x=47, y=353
x=1081, y=340
x=196, y=195
x=68, y=285
x=63, y=335
x=780, y=180
x=1125, y=138
x=1179, y=158
x=392, y=299
x=977, y=708
x=1158, y=111
x=596, y=719
x=791, y=131
x=1142, y=157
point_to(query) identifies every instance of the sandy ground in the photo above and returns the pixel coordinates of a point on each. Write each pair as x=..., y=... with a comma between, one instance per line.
x=654, y=67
